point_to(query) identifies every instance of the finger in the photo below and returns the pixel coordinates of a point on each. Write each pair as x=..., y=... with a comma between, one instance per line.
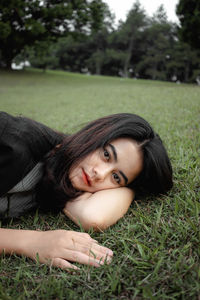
x=105, y=257
x=83, y=243
x=83, y=235
x=63, y=264
x=90, y=243
x=101, y=250
x=78, y=233
x=82, y=258
x=95, y=251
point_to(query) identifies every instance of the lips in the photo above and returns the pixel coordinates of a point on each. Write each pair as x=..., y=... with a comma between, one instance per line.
x=86, y=178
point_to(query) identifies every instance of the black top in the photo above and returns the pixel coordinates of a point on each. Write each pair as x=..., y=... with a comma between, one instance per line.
x=23, y=143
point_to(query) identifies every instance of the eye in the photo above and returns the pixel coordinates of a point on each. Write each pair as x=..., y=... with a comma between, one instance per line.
x=106, y=154
x=116, y=178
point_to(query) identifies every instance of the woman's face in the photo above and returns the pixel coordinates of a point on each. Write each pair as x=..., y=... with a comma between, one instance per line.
x=114, y=166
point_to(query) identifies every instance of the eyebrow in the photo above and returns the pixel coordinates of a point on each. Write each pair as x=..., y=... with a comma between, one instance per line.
x=115, y=158
x=124, y=176
x=113, y=151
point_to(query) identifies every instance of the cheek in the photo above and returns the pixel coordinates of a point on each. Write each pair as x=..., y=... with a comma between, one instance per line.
x=133, y=170
x=137, y=169
x=91, y=160
x=72, y=173
x=107, y=183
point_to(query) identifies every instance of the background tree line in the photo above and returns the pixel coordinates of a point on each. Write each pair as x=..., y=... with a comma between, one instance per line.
x=79, y=36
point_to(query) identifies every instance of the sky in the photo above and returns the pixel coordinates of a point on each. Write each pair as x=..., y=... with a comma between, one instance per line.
x=121, y=7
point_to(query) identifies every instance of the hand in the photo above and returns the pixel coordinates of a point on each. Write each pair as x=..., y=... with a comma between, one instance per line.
x=59, y=247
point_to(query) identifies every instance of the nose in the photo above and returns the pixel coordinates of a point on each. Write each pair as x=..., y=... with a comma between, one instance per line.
x=102, y=171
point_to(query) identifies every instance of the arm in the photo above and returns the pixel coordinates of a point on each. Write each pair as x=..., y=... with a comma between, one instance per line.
x=56, y=247
x=101, y=209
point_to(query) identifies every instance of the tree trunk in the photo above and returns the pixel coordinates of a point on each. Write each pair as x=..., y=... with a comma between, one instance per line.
x=128, y=58
x=155, y=71
x=7, y=57
x=98, y=68
x=187, y=70
x=8, y=63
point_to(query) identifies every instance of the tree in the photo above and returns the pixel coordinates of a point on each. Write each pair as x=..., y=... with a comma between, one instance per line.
x=98, y=40
x=188, y=12
x=130, y=35
x=23, y=22
x=86, y=51
x=82, y=50
x=42, y=55
x=183, y=63
x=159, y=38
x=72, y=52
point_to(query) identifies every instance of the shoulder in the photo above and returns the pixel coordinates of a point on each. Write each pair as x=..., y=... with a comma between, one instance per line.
x=4, y=121
x=36, y=137
x=23, y=143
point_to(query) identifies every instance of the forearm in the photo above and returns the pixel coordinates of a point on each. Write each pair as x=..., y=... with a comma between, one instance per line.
x=16, y=241
x=101, y=209
x=56, y=247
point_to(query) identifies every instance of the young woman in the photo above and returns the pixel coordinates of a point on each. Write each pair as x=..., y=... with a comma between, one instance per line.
x=92, y=176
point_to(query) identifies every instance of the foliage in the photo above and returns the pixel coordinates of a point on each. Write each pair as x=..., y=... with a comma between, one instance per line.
x=98, y=40
x=130, y=35
x=22, y=23
x=139, y=47
x=156, y=245
x=183, y=63
x=101, y=16
x=42, y=55
x=188, y=12
x=159, y=39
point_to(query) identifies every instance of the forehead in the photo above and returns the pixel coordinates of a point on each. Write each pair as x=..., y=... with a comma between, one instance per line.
x=125, y=144
x=129, y=157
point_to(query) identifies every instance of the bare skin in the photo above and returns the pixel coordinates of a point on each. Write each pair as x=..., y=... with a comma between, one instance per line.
x=57, y=248
x=101, y=209
x=111, y=167
x=103, y=175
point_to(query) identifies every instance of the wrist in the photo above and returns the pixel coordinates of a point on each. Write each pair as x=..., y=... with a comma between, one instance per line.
x=18, y=241
x=28, y=243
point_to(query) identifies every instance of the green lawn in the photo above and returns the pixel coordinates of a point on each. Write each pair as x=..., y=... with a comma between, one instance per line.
x=157, y=245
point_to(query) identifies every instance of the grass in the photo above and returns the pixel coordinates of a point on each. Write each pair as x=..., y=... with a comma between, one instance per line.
x=156, y=246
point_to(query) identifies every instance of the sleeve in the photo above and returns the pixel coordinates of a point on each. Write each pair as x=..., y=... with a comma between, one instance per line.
x=12, y=155
x=23, y=143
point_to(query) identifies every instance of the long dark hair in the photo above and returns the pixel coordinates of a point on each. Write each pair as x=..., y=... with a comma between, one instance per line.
x=156, y=177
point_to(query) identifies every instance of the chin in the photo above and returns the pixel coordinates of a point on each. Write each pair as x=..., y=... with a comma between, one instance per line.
x=80, y=187
x=86, y=189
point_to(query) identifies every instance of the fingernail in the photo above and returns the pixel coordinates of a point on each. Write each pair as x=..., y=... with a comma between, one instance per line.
x=110, y=252
x=108, y=259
